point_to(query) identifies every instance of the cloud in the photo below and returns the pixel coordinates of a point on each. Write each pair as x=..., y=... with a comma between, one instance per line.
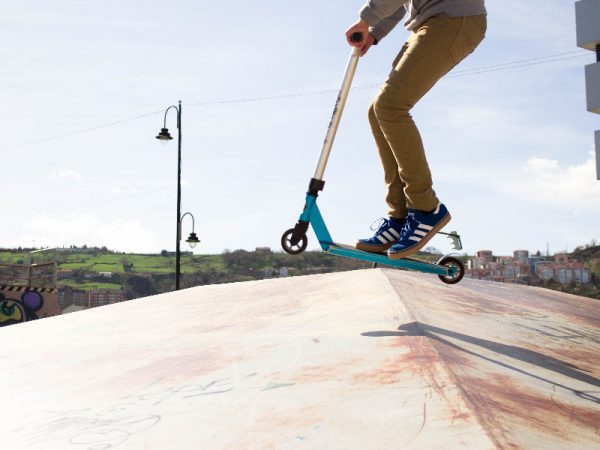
x=528, y=21
x=67, y=174
x=541, y=165
x=548, y=182
x=536, y=181
x=79, y=229
x=507, y=128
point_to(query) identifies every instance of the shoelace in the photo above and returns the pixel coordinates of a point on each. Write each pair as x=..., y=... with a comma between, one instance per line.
x=410, y=225
x=379, y=224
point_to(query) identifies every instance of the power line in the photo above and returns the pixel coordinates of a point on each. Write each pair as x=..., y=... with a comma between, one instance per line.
x=574, y=54
x=505, y=66
x=265, y=98
x=476, y=71
x=462, y=73
x=84, y=130
x=137, y=194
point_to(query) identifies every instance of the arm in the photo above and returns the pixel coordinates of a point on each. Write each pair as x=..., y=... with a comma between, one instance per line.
x=384, y=26
x=376, y=11
x=377, y=18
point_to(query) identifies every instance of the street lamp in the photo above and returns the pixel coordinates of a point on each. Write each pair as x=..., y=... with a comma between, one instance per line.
x=193, y=237
x=164, y=136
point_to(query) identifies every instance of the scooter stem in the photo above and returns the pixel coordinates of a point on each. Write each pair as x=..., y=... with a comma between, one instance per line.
x=337, y=113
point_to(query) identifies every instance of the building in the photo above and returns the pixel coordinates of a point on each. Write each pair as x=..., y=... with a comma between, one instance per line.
x=587, y=14
x=102, y=297
x=564, y=271
x=523, y=269
x=89, y=299
x=561, y=258
x=521, y=255
x=534, y=261
x=545, y=270
x=485, y=256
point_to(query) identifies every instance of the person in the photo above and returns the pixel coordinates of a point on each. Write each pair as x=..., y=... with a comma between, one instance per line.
x=443, y=33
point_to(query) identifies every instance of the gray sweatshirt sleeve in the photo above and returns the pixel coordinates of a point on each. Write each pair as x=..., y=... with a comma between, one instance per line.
x=383, y=15
x=382, y=29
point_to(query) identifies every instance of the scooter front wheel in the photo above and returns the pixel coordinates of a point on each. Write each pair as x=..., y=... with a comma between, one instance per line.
x=449, y=261
x=293, y=245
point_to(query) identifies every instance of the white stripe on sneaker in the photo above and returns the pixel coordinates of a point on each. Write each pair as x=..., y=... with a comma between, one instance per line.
x=389, y=236
x=395, y=233
x=382, y=239
x=425, y=227
x=414, y=238
x=421, y=233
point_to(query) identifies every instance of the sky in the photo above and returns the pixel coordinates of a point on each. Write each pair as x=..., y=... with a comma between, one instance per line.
x=86, y=83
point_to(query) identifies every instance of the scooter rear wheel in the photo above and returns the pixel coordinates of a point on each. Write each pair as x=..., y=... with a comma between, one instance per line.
x=449, y=261
x=291, y=247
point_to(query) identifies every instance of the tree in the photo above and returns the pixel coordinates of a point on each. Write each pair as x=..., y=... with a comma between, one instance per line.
x=136, y=286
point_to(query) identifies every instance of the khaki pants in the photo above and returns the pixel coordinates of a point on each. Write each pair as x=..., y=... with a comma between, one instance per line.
x=429, y=53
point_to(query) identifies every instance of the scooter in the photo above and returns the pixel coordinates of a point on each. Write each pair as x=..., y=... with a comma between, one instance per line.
x=294, y=241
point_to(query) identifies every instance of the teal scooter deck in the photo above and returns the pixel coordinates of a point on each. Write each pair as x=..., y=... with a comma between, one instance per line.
x=382, y=258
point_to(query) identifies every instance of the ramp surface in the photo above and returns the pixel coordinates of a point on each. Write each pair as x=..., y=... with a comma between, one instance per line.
x=376, y=359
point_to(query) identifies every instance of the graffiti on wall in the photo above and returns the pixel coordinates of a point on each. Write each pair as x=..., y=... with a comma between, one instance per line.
x=21, y=304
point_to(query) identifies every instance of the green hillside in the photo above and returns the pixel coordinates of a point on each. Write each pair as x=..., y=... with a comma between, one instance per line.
x=142, y=274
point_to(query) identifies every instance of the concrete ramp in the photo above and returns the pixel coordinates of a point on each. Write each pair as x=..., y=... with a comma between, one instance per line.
x=371, y=359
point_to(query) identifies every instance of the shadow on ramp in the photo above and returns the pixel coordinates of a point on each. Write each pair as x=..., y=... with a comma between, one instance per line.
x=510, y=351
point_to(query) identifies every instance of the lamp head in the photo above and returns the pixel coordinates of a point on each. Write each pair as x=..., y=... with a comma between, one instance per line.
x=164, y=136
x=192, y=239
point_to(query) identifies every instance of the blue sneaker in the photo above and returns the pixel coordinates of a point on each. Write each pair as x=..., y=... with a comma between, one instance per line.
x=387, y=234
x=420, y=227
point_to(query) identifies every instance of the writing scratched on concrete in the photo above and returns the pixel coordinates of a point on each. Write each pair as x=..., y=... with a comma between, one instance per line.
x=85, y=428
x=110, y=427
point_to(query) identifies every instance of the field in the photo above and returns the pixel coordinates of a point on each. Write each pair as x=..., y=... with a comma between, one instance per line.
x=118, y=262
x=93, y=270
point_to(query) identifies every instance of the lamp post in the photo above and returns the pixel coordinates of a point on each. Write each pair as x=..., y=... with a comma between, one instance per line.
x=164, y=136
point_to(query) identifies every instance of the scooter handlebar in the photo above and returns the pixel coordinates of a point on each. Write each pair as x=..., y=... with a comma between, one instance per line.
x=356, y=36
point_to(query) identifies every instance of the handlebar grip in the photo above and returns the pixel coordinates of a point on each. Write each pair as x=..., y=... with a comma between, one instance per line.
x=356, y=37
